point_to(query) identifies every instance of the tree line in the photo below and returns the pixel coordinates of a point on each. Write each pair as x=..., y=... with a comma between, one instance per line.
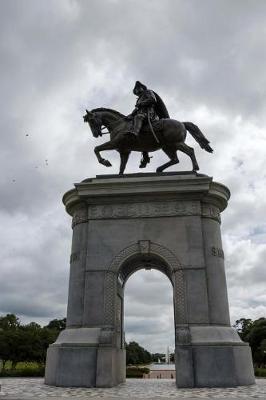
x=29, y=342
x=254, y=333
x=137, y=355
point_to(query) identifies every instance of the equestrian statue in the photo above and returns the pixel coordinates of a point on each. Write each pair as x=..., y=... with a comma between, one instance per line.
x=148, y=128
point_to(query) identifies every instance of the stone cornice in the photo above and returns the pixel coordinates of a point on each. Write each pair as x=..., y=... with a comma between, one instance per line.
x=146, y=188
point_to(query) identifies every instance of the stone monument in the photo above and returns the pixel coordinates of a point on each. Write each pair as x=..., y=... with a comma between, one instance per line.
x=170, y=222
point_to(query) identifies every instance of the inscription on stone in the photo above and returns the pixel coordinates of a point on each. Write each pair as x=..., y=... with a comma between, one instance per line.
x=173, y=208
x=217, y=252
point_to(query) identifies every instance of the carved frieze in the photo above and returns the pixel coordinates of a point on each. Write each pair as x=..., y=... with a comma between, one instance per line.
x=210, y=211
x=144, y=210
x=80, y=216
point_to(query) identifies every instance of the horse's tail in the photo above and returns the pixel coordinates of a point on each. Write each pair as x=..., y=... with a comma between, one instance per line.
x=198, y=136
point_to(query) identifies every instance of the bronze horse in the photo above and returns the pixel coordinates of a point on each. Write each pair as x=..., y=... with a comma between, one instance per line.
x=169, y=136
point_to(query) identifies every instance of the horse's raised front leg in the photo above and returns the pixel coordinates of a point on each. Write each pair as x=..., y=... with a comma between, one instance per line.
x=173, y=159
x=123, y=161
x=102, y=147
x=190, y=152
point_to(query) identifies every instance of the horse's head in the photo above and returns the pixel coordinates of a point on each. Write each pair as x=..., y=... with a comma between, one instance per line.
x=94, y=122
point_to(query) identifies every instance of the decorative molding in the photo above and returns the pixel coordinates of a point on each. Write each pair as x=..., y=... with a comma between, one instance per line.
x=80, y=216
x=144, y=210
x=210, y=211
x=166, y=254
x=180, y=309
x=109, y=297
x=154, y=248
x=144, y=246
x=118, y=313
x=136, y=249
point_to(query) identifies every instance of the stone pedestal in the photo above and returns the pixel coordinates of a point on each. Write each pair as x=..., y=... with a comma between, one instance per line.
x=170, y=222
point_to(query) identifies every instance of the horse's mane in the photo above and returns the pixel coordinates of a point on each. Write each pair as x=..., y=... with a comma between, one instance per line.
x=109, y=109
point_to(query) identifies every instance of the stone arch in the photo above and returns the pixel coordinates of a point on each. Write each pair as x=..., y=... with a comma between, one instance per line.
x=142, y=249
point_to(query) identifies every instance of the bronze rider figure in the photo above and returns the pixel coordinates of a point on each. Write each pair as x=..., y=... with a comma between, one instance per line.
x=149, y=107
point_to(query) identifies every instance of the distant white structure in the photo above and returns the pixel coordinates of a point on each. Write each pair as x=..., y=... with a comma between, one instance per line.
x=167, y=356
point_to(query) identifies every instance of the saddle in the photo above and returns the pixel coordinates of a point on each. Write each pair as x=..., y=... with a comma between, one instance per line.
x=157, y=126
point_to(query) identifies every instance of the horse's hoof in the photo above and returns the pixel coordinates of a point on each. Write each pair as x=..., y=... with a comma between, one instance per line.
x=106, y=163
x=143, y=165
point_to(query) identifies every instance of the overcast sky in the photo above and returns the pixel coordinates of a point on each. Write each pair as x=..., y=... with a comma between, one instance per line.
x=205, y=58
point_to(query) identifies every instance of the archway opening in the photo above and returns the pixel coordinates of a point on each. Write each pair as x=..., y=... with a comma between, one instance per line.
x=149, y=314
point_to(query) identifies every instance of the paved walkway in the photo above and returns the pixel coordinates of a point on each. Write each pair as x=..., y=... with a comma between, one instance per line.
x=133, y=389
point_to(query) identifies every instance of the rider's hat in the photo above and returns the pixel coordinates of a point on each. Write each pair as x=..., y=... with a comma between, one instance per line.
x=139, y=85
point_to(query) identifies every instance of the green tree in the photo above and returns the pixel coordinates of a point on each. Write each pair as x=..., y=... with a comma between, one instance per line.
x=4, y=347
x=256, y=338
x=158, y=356
x=243, y=326
x=26, y=342
x=254, y=332
x=9, y=327
x=47, y=337
x=135, y=354
x=11, y=346
x=9, y=321
x=58, y=324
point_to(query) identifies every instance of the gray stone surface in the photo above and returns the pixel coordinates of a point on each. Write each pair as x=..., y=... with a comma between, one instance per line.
x=169, y=222
x=133, y=389
x=217, y=290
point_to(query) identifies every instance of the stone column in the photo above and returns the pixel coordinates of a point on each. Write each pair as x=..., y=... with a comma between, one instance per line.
x=72, y=358
x=220, y=357
x=214, y=261
x=76, y=293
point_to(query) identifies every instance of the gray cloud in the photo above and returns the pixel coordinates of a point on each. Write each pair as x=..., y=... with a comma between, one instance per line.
x=59, y=57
